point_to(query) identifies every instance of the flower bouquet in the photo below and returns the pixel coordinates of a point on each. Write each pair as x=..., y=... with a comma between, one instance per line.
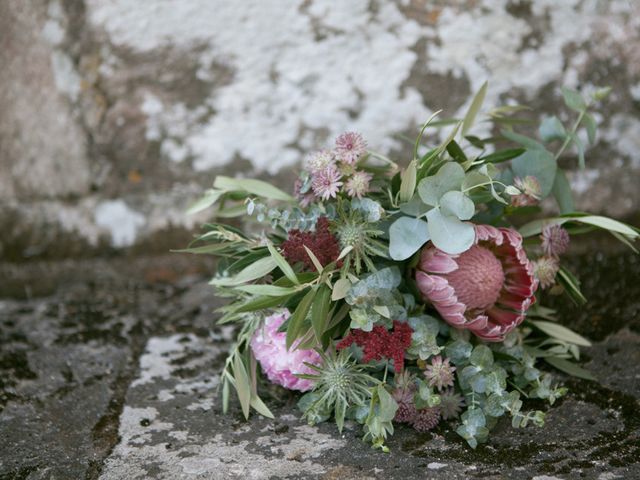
x=406, y=294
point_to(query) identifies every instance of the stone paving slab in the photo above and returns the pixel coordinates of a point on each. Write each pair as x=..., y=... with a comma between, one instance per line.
x=114, y=376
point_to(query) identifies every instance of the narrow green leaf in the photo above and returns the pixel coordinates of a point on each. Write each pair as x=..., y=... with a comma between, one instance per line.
x=522, y=140
x=503, y=155
x=249, y=185
x=408, y=182
x=282, y=264
x=560, y=332
x=314, y=259
x=296, y=322
x=476, y=103
x=456, y=152
x=320, y=311
x=570, y=368
x=267, y=290
x=571, y=285
x=340, y=289
x=591, y=126
x=225, y=395
x=210, y=197
x=257, y=269
x=243, y=387
x=259, y=303
x=424, y=127
x=259, y=406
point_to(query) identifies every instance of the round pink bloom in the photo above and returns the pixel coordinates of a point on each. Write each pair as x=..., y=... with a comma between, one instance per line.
x=555, y=240
x=358, y=184
x=279, y=364
x=487, y=289
x=326, y=183
x=349, y=147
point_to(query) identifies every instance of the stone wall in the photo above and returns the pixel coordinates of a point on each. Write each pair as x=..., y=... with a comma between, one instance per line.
x=117, y=113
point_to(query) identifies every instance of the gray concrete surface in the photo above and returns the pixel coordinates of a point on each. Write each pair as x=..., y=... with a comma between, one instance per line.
x=117, y=113
x=109, y=368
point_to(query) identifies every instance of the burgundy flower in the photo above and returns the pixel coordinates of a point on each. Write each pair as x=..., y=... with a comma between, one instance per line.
x=426, y=419
x=487, y=289
x=381, y=343
x=322, y=243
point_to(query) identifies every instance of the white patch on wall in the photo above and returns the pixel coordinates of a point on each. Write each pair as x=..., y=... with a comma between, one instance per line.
x=338, y=66
x=121, y=221
x=623, y=133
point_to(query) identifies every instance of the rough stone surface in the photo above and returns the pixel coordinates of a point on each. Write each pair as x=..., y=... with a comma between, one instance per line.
x=109, y=369
x=117, y=113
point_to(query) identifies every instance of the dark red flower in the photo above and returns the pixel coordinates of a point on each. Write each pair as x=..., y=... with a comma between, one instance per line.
x=321, y=242
x=381, y=343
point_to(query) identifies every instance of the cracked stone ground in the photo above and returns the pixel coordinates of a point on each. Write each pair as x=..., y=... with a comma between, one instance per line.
x=109, y=369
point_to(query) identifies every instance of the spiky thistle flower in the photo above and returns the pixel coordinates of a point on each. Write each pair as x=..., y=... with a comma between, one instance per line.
x=350, y=146
x=358, y=184
x=439, y=373
x=451, y=403
x=545, y=270
x=555, y=240
x=353, y=231
x=338, y=384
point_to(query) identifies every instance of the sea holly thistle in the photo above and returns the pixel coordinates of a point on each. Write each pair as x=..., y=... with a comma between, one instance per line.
x=412, y=296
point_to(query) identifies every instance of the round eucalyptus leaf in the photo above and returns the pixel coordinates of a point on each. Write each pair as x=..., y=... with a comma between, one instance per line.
x=457, y=204
x=406, y=236
x=448, y=233
x=449, y=177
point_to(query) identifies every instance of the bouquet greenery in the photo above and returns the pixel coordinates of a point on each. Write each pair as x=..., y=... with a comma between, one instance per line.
x=406, y=294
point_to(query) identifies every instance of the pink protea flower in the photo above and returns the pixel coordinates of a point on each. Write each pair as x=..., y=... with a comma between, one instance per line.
x=326, y=183
x=358, y=184
x=349, y=147
x=279, y=364
x=531, y=191
x=555, y=240
x=545, y=270
x=487, y=289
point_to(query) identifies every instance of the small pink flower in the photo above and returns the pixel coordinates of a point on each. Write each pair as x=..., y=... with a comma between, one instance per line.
x=279, y=364
x=326, y=183
x=555, y=240
x=440, y=373
x=358, y=184
x=487, y=289
x=319, y=161
x=531, y=191
x=426, y=419
x=350, y=146
x=545, y=270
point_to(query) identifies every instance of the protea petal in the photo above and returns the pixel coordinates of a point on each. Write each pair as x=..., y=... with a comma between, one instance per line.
x=487, y=289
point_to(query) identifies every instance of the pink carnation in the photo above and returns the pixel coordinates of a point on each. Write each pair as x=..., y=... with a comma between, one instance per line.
x=279, y=364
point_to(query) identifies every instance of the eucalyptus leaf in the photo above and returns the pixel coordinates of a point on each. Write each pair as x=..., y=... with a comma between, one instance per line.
x=449, y=177
x=573, y=99
x=561, y=190
x=448, y=233
x=406, y=236
x=551, y=128
x=457, y=204
x=537, y=163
